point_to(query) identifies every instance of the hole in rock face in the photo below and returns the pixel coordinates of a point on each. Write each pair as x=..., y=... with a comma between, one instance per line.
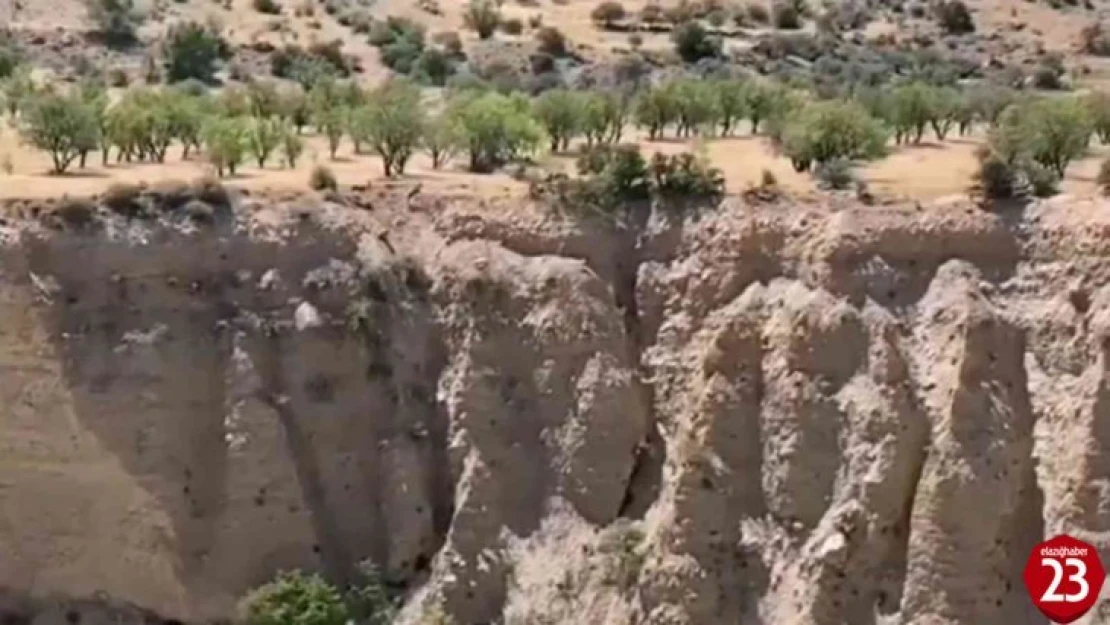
x=423, y=562
x=14, y=618
x=73, y=617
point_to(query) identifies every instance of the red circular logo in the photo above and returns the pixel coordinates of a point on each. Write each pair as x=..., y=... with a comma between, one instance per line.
x=1064, y=578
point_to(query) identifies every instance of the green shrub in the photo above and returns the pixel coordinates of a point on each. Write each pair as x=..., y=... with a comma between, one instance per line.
x=194, y=51
x=321, y=178
x=823, y=131
x=295, y=599
x=550, y=40
x=512, y=26
x=785, y=15
x=685, y=176
x=608, y=13
x=11, y=57
x=270, y=7
x=954, y=17
x=693, y=43
x=115, y=20
x=434, y=67
x=835, y=174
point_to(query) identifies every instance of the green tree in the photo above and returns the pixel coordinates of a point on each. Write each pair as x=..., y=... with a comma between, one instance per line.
x=910, y=110
x=225, y=142
x=192, y=50
x=483, y=17
x=1050, y=131
x=441, y=139
x=561, y=112
x=822, y=131
x=295, y=599
x=656, y=108
x=946, y=107
x=761, y=99
x=495, y=128
x=604, y=114
x=697, y=106
x=16, y=89
x=292, y=146
x=395, y=124
x=63, y=125
x=731, y=103
x=264, y=135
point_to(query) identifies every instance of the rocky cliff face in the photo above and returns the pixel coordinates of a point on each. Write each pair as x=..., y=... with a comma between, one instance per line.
x=760, y=415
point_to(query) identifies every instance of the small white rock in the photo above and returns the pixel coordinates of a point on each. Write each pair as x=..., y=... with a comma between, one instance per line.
x=306, y=317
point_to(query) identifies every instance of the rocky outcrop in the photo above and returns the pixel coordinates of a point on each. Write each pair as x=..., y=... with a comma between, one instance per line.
x=756, y=415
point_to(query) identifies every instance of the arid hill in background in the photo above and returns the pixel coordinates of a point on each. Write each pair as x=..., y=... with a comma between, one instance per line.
x=696, y=313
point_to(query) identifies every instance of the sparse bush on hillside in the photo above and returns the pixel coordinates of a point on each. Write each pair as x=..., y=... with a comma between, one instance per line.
x=306, y=67
x=551, y=41
x=193, y=50
x=786, y=15
x=608, y=13
x=62, y=125
x=954, y=17
x=685, y=176
x=822, y=131
x=269, y=7
x=1094, y=40
x=835, y=174
x=512, y=26
x=652, y=13
x=115, y=20
x=321, y=178
x=401, y=42
x=482, y=16
x=1049, y=74
x=11, y=56
x=693, y=42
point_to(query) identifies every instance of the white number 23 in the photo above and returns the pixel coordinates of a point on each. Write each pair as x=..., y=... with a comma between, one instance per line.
x=1051, y=595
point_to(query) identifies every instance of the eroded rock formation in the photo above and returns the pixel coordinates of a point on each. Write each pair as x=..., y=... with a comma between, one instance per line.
x=760, y=415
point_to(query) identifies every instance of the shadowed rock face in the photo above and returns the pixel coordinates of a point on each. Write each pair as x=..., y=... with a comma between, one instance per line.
x=757, y=416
